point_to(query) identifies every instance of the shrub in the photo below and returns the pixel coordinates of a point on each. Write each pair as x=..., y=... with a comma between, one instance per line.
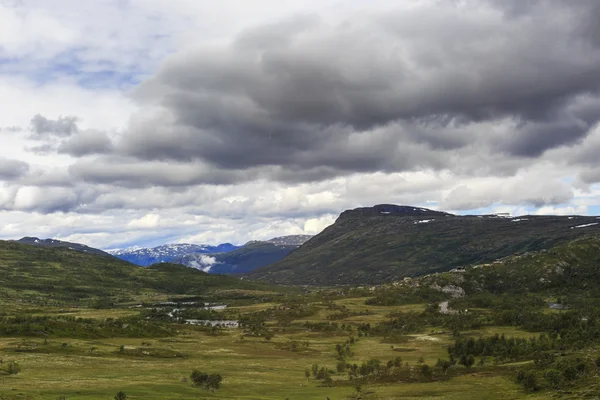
x=13, y=368
x=553, y=377
x=120, y=396
x=206, y=381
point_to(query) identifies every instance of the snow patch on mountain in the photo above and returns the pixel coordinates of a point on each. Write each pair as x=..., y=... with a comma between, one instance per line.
x=291, y=240
x=586, y=225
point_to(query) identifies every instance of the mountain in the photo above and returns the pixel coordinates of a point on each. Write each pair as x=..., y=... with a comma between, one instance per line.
x=167, y=252
x=41, y=274
x=291, y=240
x=33, y=241
x=387, y=242
x=252, y=255
x=568, y=271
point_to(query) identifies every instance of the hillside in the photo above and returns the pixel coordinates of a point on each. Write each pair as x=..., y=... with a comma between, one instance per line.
x=61, y=274
x=384, y=243
x=167, y=252
x=252, y=255
x=33, y=241
x=568, y=271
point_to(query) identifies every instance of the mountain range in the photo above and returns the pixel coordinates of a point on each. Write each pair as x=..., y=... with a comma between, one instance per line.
x=385, y=243
x=222, y=259
x=252, y=255
x=167, y=252
x=368, y=245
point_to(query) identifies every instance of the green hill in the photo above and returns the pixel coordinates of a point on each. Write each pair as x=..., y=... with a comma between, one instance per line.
x=33, y=241
x=62, y=274
x=385, y=243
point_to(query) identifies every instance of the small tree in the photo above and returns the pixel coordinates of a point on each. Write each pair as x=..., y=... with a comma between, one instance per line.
x=120, y=396
x=13, y=368
x=307, y=373
x=530, y=382
x=553, y=377
x=315, y=370
x=425, y=372
x=467, y=361
x=358, y=389
x=208, y=382
x=444, y=365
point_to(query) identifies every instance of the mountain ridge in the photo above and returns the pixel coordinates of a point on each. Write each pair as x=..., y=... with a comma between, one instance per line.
x=145, y=256
x=34, y=241
x=379, y=244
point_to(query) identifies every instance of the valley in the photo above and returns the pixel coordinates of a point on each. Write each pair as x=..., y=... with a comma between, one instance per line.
x=489, y=330
x=300, y=200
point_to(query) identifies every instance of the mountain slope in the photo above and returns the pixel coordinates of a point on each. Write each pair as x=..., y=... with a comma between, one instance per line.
x=61, y=274
x=33, y=241
x=386, y=242
x=252, y=255
x=167, y=252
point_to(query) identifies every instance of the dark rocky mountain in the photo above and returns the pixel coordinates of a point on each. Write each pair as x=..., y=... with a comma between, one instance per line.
x=167, y=252
x=33, y=241
x=252, y=255
x=384, y=243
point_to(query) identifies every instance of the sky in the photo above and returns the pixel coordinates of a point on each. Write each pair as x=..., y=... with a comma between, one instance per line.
x=144, y=122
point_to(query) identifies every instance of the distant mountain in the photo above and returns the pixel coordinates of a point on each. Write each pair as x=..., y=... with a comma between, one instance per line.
x=386, y=242
x=33, y=241
x=167, y=252
x=252, y=255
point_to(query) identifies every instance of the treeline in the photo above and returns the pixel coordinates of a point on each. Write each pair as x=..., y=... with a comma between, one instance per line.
x=72, y=327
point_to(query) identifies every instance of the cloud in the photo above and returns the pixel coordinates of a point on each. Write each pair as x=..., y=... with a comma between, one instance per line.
x=395, y=91
x=62, y=126
x=204, y=262
x=145, y=222
x=12, y=169
x=310, y=108
x=535, y=188
x=86, y=143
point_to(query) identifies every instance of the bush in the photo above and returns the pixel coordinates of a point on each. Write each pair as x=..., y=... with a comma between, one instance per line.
x=553, y=377
x=528, y=380
x=425, y=372
x=13, y=368
x=120, y=396
x=206, y=381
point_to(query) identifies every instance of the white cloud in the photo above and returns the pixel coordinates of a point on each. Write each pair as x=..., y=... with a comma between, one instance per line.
x=204, y=262
x=314, y=226
x=82, y=59
x=146, y=222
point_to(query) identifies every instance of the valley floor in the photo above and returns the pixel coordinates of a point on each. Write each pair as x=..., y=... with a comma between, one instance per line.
x=253, y=368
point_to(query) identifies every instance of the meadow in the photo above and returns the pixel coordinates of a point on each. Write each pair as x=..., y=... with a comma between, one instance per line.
x=253, y=366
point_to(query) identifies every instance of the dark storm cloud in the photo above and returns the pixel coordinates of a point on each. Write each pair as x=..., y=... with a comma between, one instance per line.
x=12, y=169
x=135, y=174
x=63, y=126
x=85, y=143
x=392, y=91
x=590, y=176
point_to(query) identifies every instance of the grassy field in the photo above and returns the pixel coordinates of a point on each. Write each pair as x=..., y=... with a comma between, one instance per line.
x=253, y=368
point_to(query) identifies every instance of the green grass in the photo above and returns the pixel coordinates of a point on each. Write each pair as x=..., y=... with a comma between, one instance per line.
x=252, y=368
